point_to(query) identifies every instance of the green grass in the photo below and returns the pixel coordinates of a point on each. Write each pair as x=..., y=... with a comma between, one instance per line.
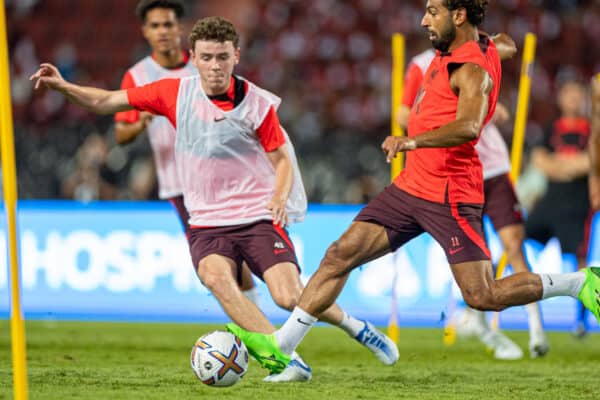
x=76, y=360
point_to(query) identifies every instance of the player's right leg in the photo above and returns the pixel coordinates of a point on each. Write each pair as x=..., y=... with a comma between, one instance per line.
x=385, y=224
x=283, y=281
x=360, y=243
x=218, y=274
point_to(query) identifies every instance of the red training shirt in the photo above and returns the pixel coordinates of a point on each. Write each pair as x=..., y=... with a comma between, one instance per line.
x=160, y=98
x=450, y=174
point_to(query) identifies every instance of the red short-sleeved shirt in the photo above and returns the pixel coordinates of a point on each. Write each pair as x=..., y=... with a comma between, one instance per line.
x=452, y=174
x=160, y=98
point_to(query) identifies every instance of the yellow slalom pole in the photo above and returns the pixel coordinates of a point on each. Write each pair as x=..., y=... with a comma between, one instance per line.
x=516, y=154
x=9, y=176
x=398, y=52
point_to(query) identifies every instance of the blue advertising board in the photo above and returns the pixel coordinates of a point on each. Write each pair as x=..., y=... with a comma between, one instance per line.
x=130, y=261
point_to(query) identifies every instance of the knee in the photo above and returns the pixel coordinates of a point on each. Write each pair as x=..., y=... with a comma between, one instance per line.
x=338, y=258
x=482, y=300
x=286, y=300
x=213, y=279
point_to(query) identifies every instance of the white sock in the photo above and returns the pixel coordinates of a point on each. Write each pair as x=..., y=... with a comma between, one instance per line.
x=252, y=295
x=351, y=325
x=562, y=284
x=293, y=330
x=535, y=319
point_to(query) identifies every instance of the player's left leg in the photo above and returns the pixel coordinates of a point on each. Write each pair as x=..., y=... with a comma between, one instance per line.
x=482, y=292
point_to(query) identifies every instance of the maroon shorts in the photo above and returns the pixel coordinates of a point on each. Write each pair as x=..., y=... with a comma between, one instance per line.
x=260, y=244
x=184, y=217
x=458, y=228
x=501, y=203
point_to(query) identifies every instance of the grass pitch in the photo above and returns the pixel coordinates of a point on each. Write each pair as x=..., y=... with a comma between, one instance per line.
x=84, y=360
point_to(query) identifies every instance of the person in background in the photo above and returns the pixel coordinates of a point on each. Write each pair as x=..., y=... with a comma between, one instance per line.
x=564, y=210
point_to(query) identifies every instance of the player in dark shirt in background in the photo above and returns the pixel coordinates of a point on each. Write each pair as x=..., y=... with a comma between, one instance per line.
x=564, y=210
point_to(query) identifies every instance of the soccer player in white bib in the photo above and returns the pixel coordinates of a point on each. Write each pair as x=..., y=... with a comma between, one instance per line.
x=503, y=209
x=240, y=180
x=162, y=31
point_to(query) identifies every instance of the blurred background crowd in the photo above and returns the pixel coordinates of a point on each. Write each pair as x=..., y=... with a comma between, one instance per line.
x=330, y=61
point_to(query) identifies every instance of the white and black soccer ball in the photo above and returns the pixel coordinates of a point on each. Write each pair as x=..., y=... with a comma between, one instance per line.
x=219, y=359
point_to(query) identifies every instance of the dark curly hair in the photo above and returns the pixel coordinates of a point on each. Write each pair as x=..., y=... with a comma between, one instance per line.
x=146, y=5
x=215, y=29
x=475, y=9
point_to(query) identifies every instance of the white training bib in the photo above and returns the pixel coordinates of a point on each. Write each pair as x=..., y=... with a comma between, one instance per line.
x=493, y=152
x=226, y=175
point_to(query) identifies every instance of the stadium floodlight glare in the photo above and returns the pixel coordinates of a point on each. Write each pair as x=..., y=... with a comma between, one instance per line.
x=9, y=176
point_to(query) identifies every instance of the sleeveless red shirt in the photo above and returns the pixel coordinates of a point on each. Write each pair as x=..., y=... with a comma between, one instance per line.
x=451, y=174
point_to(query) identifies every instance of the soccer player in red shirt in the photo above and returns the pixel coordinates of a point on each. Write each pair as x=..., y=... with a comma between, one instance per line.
x=440, y=191
x=501, y=205
x=240, y=181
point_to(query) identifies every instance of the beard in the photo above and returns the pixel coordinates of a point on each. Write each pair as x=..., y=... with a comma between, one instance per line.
x=445, y=38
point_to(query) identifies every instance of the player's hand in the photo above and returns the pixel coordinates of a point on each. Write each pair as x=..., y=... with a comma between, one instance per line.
x=49, y=76
x=146, y=118
x=501, y=115
x=392, y=145
x=594, y=186
x=277, y=207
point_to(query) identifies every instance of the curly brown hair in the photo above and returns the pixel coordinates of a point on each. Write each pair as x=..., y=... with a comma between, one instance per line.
x=216, y=29
x=475, y=9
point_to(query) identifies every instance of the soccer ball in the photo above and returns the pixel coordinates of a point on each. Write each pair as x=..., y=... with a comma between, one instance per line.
x=219, y=359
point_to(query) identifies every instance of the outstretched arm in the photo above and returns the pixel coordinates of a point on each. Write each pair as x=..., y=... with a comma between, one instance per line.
x=95, y=100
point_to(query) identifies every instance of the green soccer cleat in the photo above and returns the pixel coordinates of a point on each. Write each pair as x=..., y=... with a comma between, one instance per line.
x=590, y=292
x=263, y=348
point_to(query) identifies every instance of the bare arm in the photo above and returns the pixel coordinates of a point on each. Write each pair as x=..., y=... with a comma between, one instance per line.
x=505, y=45
x=96, y=100
x=284, y=178
x=473, y=85
x=126, y=132
x=560, y=168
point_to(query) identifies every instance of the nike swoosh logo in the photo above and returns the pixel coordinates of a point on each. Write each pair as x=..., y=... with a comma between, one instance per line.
x=302, y=322
x=454, y=251
x=219, y=119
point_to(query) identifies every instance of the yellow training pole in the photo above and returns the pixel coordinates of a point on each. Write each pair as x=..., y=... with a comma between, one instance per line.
x=9, y=176
x=398, y=51
x=516, y=154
